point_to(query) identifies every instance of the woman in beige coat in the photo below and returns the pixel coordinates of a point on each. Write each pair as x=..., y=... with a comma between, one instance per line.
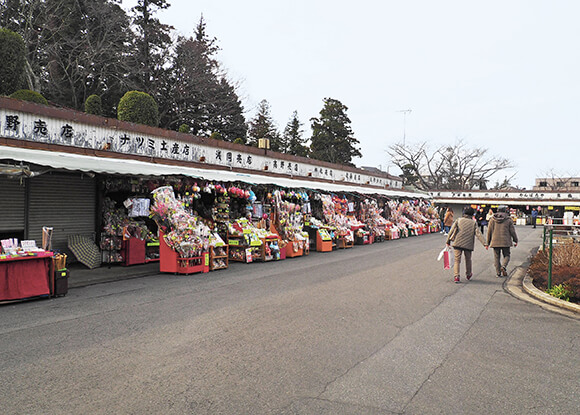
x=462, y=235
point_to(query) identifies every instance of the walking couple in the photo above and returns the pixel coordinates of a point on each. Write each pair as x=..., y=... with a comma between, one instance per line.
x=500, y=234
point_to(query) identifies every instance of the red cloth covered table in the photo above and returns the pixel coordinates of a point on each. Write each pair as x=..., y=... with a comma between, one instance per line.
x=24, y=277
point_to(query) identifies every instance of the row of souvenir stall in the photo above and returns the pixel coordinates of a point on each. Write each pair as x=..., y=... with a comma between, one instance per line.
x=199, y=226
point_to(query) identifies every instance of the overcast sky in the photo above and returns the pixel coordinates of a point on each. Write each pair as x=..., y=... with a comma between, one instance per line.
x=502, y=75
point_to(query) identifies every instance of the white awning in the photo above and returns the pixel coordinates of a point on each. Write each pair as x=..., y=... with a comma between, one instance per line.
x=105, y=165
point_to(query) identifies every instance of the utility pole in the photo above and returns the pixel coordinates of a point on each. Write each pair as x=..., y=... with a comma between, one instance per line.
x=405, y=112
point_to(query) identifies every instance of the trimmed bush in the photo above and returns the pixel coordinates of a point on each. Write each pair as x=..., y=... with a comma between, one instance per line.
x=12, y=61
x=216, y=136
x=94, y=105
x=138, y=107
x=239, y=141
x=184, y=128
x=28, y=95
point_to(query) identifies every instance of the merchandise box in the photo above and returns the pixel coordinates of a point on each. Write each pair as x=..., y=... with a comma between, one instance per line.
x=293, y=249
x=133, y=251
x=323, y=241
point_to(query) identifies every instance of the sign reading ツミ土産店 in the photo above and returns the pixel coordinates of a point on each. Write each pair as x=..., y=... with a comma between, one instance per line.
x=43, y=129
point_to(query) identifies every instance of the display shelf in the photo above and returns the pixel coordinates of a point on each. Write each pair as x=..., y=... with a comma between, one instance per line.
x=247, y=254
x=218, y=257
x=241, y=250
x=342, y=243
x=111, y=246
x=362, y=238
x=152, y=251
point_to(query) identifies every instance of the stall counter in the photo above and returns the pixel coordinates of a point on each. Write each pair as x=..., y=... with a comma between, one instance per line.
x=25, y=276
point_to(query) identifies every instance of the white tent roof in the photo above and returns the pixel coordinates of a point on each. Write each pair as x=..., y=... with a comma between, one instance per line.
x=85, y=163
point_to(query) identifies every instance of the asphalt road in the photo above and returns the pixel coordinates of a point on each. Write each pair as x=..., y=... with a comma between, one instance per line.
x=379, y=329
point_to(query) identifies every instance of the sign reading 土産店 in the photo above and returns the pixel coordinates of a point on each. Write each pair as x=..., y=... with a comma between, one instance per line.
x=39, y=128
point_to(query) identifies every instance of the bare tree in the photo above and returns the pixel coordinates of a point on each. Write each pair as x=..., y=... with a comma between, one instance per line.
x=505, y=184
x=453, y=167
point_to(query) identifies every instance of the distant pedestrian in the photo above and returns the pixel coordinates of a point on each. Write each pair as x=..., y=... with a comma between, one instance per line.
x=500, y=234
x=481, y=219
x=448, y=220
x=534, y=216
x=462, y=235
x=489, y=215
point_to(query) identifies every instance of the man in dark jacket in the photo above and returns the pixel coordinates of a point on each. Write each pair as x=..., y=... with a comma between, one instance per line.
x=500, y=234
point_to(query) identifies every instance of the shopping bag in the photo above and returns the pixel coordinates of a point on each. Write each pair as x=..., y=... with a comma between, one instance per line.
x=445, y=254
x=446, y=259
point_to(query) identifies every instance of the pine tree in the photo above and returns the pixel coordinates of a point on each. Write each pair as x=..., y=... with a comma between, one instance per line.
x=332, y=137
x=292, y=141
x=151, y=44
x=199, y=92
x=262, y=126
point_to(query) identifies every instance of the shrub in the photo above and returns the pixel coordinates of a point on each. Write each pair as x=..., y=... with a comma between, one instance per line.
x=560, y=291
x=216, y=136
x=184, y=128
x=562, y=274
x=13, y=61
x=138, y=107
x=28, y=95
x=239, y=141
x=94, y=105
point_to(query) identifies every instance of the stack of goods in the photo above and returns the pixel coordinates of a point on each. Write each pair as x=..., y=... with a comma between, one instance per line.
x=185, y=233
x=354, y=223
x=334, y=211
x=417, y=216
x=361, y=234
x=11, y=247
x=116, y=222
x=290, y=220
x=398, y=220
x=371, y=214
x=244, y=228
x=430, y=212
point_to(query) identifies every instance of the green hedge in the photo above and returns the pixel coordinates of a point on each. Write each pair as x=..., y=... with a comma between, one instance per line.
x=28, y=95
x=138, y=107
x=94, y=105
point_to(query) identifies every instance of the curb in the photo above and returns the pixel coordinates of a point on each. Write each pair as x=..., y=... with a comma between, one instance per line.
x=529, y=288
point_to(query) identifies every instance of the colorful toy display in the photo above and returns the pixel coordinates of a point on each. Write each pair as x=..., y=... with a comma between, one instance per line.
x=185, y=233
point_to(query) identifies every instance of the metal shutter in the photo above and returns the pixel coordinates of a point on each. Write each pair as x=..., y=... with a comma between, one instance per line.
x=65, y=202
x=12, y=205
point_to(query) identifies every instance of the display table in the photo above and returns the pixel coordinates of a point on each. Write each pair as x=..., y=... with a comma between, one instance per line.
x=25, y=276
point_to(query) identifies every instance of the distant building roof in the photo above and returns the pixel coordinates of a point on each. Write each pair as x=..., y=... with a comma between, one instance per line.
x=376, y=170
